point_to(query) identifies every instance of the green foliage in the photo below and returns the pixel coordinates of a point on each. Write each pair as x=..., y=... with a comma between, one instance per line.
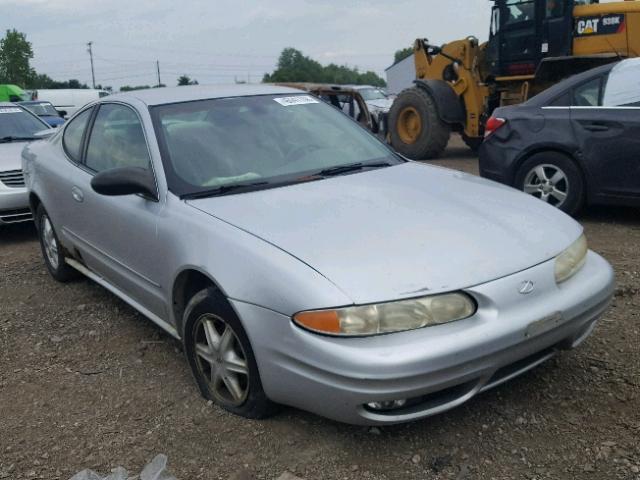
x=42, y=80
x=402, y=54
x=128, y=88
x=186, y=80
x=294, y=66
x=15, y=53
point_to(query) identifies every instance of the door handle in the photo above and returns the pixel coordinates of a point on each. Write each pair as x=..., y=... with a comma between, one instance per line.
x=77, y=194
x=596, y=127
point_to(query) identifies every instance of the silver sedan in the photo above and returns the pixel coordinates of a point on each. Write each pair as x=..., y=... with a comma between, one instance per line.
x=304, y=263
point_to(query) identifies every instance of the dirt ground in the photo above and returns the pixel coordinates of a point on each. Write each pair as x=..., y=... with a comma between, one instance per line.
x=86, y=382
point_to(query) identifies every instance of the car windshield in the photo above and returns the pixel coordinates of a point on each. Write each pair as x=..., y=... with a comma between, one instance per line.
x=18, y=124
x=372, y=94
x=44, y=108
x=260, y=140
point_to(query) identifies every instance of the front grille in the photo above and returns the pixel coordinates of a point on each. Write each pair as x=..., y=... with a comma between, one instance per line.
x=12, y=178
x=15, y=216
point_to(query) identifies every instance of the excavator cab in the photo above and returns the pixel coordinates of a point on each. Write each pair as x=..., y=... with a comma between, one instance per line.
x=524, y=32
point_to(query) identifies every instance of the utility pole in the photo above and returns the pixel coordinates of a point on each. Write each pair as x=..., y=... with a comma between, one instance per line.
x=93, y=73
x=158, y=69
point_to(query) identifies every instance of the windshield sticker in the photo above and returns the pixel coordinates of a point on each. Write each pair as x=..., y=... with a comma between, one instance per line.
x=10, y=110
x=297, y=100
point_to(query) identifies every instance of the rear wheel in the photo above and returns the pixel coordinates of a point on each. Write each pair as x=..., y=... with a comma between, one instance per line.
x=415, y=127
x=221, y=357
x=553, y=178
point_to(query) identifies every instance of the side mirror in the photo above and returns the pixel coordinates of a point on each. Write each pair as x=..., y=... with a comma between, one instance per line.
x=62, y=113
x=125, y=181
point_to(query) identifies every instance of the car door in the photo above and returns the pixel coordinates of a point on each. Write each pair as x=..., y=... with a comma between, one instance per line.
x=605, y=116
x=118, y=234
x=63, y=174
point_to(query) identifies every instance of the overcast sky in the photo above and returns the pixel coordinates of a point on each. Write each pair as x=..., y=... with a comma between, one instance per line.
x=218, y=41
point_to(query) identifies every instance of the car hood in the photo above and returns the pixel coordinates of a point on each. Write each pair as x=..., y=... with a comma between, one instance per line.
x=10, y=156
x=402, y=231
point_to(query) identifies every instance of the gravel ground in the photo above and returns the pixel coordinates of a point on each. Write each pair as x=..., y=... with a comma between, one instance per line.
x=86, y=382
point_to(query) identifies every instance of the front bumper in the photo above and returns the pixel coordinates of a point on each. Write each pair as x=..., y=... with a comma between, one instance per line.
x=440, y=367
x=14, y=205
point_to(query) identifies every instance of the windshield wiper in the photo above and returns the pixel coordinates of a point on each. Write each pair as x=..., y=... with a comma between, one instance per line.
x=354, y=167
x=13, y=138
x=223, y=190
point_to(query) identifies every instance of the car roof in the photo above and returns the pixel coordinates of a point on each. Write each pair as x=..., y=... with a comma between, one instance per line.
x=165, y=95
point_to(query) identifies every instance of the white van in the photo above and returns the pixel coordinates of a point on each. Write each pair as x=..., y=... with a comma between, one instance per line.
x=68, y=101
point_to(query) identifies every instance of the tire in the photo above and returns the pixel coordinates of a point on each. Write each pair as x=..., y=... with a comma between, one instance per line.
x=563, y=176
x=237, y=387
x=415, y=127
x=52, y=251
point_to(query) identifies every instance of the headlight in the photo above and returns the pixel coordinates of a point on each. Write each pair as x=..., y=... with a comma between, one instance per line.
x=388, y=317
x=571, y=260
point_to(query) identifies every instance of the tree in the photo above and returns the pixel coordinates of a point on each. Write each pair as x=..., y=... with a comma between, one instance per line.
x=402, y=54
x=186, y=80
x=42, y=80
x=15, y=54
x=294, y=66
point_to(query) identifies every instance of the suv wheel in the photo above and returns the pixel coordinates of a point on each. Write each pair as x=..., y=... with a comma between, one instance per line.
x=221, y=357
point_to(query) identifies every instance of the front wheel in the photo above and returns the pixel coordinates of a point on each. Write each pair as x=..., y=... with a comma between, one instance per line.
x=52, y=251
x=414, y=125
x=221, y=357
x=553, y=178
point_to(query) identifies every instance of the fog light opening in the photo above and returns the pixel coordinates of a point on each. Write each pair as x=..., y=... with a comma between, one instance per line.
x=387, y=405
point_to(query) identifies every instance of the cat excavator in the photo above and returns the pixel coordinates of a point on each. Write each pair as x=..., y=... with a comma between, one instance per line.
x=532, y=45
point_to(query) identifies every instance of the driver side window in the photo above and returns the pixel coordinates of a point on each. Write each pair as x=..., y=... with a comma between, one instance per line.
x=117, y=140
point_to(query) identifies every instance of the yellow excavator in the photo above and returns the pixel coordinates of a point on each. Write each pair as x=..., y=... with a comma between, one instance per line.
x=532, y=45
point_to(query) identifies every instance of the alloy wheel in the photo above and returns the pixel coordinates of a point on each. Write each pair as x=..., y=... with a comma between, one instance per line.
x=548, y=183
x=49, y=241
x=221, y=360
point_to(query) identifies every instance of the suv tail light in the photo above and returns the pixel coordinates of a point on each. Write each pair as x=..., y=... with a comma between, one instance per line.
x=493, y=124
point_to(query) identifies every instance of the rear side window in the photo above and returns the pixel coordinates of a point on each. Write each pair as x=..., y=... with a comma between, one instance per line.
x=73, y=134
x=563, y=100
x=587, y=94
x=117, y=140
x=623, y=86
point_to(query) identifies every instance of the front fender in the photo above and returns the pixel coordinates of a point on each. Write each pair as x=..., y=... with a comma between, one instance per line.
x=447, y=102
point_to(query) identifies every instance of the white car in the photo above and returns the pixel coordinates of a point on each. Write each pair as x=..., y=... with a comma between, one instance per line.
x=68, y=101
x=17, y=126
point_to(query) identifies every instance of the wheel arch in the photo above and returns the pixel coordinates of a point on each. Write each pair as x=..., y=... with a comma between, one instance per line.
x=188, y=282
x=555, y=148
x=34, y=202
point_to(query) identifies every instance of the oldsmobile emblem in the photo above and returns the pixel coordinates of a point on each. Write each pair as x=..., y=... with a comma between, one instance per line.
x=526, y=287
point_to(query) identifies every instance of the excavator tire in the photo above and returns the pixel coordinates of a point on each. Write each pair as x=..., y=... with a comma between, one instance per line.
x=415, y=127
